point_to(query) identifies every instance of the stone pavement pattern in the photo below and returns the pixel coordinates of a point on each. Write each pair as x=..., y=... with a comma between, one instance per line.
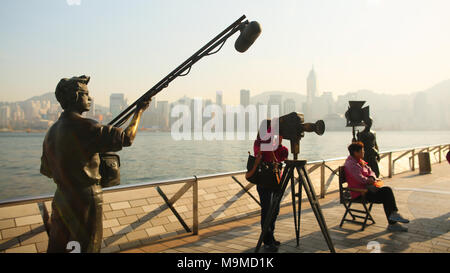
x=424, y=199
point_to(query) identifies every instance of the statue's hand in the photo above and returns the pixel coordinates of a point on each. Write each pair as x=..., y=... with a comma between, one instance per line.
x=143, y=105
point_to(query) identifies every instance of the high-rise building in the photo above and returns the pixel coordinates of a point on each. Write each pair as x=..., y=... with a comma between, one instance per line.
x=219, y=98
x=327, y=97
x=274, y=100
x=311, y=86
x=117, y=103
x=245, y=97
x=288, y=106
x=5, y=115
x=163, y=114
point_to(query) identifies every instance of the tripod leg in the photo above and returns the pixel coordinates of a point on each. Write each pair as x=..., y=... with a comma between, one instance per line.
x=309, y=190
x=299, y=212
x=294, y=209
x=275, y=201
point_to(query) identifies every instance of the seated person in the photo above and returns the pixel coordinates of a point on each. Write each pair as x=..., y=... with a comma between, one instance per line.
x=360, y=176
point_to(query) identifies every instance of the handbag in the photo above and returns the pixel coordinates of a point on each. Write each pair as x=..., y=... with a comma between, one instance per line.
x=109, y=169
x=375, y=186
x=266, y=174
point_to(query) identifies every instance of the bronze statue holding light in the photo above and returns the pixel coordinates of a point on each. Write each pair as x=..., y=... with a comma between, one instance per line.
x=369, y=139
x=71, y=157
x=357, y=115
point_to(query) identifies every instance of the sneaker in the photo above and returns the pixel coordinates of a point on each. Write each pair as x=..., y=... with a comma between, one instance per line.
x=271, y=248
x=397, y=227
x=396, y=217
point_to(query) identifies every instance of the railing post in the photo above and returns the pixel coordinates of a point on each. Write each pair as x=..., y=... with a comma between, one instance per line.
x=413, y=167
x=195, y=207
x=440, y=157
x=322, y=180
x=390, y=170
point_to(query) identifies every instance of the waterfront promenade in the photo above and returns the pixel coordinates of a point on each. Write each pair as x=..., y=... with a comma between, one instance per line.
x=424, y=199
x=220, y=212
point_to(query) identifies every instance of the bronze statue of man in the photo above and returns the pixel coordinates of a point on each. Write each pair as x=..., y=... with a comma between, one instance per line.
x=369, y=139
x=71, y=157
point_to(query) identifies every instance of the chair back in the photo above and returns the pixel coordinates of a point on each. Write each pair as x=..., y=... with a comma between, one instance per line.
x=344, y=193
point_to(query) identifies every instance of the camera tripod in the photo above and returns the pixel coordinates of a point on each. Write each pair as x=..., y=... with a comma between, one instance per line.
x=288, y=175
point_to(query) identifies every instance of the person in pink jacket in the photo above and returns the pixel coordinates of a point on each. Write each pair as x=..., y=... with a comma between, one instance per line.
x=360, y=176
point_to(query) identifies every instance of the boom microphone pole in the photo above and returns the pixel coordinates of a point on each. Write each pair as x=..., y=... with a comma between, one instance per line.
x=249, y=33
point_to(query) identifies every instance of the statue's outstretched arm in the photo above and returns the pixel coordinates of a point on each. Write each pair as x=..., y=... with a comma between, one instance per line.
x=130, y=131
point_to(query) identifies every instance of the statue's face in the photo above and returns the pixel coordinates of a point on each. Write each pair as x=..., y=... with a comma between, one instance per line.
x=83, y=103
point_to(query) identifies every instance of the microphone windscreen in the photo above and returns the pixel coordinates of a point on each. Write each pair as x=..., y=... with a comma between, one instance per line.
x=248, y=36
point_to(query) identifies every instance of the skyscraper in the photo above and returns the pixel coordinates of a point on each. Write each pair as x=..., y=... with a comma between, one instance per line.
x=288, y=106
x=245, y=97
x=219, y=100
x=274, y=100
x=117, y=103
x=311, y=86
x=163, y=114
x=5, y=114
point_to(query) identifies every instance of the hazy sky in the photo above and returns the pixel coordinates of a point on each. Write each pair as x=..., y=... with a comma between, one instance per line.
x=127, y=46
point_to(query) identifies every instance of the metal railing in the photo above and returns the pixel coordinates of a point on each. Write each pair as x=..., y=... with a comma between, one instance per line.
x=192, y=182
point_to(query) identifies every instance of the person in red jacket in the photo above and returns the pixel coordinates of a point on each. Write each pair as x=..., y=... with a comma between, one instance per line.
x=267, y=148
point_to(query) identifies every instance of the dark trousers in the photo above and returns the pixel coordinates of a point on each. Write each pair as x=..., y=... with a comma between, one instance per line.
x=265, y=196
x=383, y=196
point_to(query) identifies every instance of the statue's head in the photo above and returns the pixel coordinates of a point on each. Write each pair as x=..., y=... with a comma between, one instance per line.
x=73, y=94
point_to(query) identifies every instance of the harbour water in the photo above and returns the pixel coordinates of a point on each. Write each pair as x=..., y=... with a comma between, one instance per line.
x=156, y=156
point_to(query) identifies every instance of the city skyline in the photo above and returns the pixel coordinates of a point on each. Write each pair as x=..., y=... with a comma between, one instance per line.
x=349, y=45
x=40, y=112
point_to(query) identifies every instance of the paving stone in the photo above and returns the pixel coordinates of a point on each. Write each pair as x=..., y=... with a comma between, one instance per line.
x=14, y=232
x=110, y=249
x=155, y=230
x=127, y=219
x=107, y=232
x=160, y=221
x=42, y=246
x=137, y=235
x=106, y=208
x=110, y=223
x=18, y=211
x=133, y=211
x=23, y=249
x=150, y=208
x=129, y=245
x=120, y=205
x=121, y=229
x=28, y=220
x=138, y=203
x=34, y=238
x=141, y=225
x=8, y=223
x=115, y=240
x=9, y=243
x=114, y=214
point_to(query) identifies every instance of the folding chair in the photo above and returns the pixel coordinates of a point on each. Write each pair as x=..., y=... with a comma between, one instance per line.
x=347, y=201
